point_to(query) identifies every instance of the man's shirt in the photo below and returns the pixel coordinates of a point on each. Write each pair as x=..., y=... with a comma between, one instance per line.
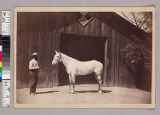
x=33, y=64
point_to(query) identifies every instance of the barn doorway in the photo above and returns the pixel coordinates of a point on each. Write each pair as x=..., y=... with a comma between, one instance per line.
x=83, y=48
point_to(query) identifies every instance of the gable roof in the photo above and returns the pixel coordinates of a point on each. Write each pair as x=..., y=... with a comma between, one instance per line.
x=120, y=24
x=68, y=18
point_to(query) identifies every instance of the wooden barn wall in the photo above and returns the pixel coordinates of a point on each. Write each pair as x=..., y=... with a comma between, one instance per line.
x=118, y=74
x=43, y=36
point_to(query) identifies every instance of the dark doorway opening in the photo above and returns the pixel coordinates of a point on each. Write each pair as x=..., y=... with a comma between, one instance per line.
x=82, y=48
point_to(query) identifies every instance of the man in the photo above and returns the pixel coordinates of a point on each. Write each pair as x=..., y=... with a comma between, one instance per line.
x=34, y=69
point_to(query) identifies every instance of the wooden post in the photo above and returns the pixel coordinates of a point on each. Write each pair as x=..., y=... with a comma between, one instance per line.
x=106, y=63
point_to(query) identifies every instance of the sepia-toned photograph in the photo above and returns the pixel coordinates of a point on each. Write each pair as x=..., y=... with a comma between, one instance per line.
x=84, y=57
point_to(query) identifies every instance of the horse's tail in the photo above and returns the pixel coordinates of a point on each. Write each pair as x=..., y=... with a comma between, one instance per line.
x=102, y=73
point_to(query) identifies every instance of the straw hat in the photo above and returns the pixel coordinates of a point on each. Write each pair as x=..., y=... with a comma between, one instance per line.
x=34, y=54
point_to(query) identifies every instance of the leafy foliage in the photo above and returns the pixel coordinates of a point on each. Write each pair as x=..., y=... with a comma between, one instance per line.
x=136, y=53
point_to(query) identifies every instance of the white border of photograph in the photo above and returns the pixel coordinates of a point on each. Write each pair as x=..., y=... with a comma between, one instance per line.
x=89, y=9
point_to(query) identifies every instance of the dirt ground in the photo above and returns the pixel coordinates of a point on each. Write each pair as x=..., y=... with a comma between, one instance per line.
x=84, y=94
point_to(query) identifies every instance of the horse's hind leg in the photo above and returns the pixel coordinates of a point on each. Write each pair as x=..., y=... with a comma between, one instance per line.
x=99, y=83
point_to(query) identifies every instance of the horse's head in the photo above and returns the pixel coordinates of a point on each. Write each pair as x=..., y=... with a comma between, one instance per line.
x=56, y=58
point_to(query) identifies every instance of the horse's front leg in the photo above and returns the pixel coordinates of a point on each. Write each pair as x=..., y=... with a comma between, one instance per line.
x=73, y=83
x=70, y=82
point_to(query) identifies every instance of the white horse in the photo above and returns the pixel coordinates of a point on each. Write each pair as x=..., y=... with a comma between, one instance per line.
x=75, y=67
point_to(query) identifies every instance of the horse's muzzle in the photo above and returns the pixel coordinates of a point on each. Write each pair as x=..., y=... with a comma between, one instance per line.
x=54, y=62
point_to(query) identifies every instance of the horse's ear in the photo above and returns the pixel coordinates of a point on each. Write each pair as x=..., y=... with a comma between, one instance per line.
x=56, y=52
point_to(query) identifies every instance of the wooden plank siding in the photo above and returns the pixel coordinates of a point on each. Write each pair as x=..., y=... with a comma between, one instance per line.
x=41, y=32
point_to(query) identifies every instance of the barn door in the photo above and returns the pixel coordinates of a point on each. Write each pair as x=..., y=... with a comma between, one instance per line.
x=106, y=63
x=48, y=43
x=83, y=48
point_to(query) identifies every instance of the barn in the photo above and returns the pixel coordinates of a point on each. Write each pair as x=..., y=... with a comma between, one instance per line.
x=84, y=36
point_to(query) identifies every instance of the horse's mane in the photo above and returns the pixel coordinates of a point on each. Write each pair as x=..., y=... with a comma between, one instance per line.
x=68, y=57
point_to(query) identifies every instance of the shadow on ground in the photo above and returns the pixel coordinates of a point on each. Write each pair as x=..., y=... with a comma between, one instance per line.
x=93, y=91
x=46, y=92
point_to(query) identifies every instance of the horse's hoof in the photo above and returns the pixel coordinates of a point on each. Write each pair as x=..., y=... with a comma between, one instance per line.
x=69, y=91
x=100, y=92
x=72, y=92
